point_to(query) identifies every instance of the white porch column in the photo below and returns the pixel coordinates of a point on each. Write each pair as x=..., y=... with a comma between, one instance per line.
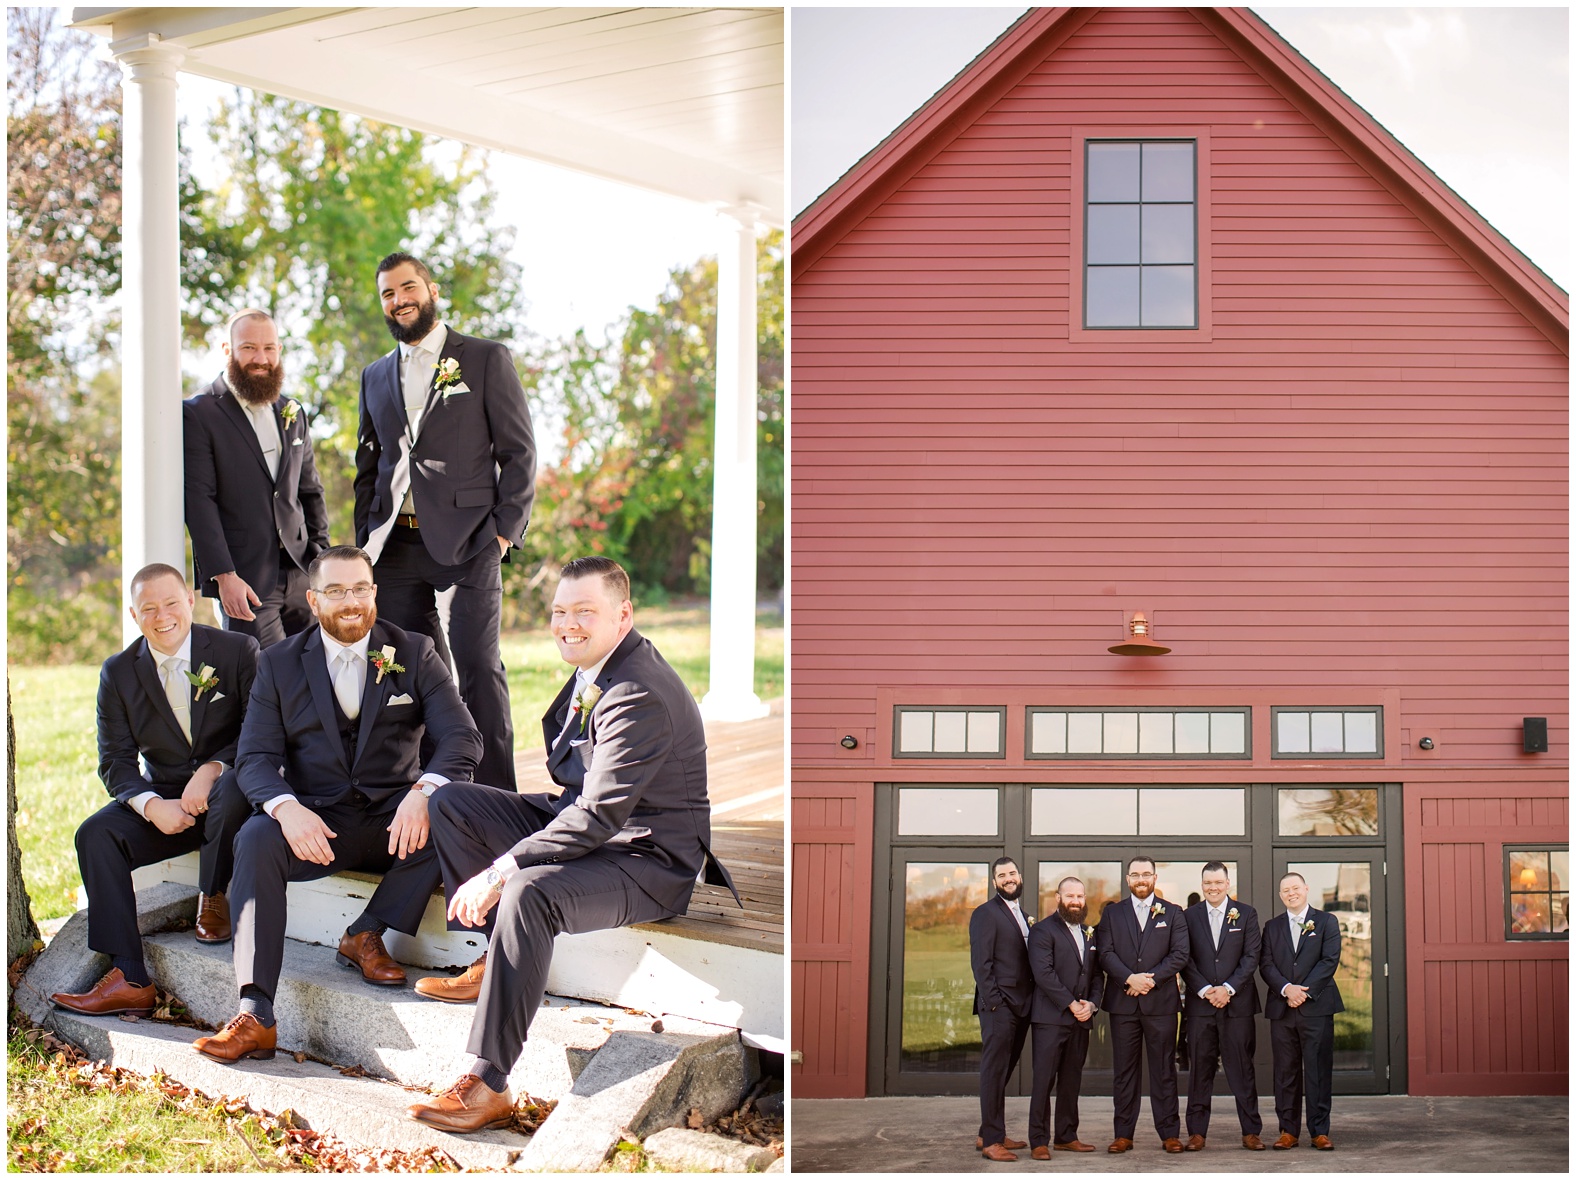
x=152, y=481
x=731, y=696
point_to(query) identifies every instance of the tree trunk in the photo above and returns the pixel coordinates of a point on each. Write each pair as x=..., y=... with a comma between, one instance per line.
x=20, y=929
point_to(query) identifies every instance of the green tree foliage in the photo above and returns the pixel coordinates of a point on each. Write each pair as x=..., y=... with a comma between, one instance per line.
x=633, y=480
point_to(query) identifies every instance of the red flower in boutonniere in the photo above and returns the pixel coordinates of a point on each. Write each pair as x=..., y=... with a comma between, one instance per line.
x=585, y=702
x=1156, y=910
x=1232, y=915
x=383, y=661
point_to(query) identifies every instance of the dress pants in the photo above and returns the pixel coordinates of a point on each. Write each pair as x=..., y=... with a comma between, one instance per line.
x=264, y=866
x=1002, y=1034
x=472, y=826
x=1233, y=1041
x=1303, y=1049
x=115, y=839
x=408, y=584
x=283, y=612
x=1059, y=1053
x=1134, y=1037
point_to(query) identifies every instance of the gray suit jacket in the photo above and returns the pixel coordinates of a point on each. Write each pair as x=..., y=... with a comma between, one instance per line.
x=634, y=781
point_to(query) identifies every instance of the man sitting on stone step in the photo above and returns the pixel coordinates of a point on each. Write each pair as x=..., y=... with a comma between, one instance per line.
x=623, y=843
x=171, y=702
x=330, y=754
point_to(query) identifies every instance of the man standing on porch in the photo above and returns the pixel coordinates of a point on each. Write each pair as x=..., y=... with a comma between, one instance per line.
x=445, y=477
x=1143, y=948
x=1003, y=999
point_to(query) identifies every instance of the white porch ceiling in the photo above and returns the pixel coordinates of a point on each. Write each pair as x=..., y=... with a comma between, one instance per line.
x=686, y=101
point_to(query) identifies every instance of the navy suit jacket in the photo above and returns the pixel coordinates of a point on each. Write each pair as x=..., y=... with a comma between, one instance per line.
x=1000, y=959
x=634, y=779
x=1061, y=974
x=238, y=515
x=473, y=466
x=1162, y=948
x=1313, y=966
x=135, y=718
x=291, y=740
x=1233, y=962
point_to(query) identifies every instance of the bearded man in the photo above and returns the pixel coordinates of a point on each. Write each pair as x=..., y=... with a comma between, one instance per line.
x=1003, y=995
x=1068, y=986
x=330, y=755
x=254, y=503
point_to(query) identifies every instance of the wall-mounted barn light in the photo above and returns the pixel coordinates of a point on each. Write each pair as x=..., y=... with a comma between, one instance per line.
x=1139, y=642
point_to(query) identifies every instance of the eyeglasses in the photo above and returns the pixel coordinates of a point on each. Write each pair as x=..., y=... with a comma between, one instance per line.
x=1140, y=876
x=337, y=593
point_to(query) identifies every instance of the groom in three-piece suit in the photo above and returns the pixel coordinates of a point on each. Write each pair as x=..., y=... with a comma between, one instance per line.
x=1003, y=997
x=329, y=756
x=445, y=477
x=1302, y=952
x=1143, y=947
x=254, y=503
x=1068, y=986
x=1222, y=1001
x=151, y=715
x=623, y=842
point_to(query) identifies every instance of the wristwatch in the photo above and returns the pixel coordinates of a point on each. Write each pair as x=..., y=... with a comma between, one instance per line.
x=493, y=878
x=426, y=787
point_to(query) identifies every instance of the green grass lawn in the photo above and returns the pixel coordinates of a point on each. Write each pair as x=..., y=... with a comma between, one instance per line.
x=57, y=752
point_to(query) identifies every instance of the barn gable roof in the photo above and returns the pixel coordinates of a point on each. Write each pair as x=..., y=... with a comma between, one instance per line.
x=1041, y=32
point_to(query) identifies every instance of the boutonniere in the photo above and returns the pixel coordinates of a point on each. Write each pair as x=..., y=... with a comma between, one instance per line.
x=1156, y=910
x=1232, y=915
x=1088, y=932
x=202, y=680
x=383, y=661
x=290, y=411
x=448, y=375
x=585, y=701
x=1028, y=921
x=1307, y=927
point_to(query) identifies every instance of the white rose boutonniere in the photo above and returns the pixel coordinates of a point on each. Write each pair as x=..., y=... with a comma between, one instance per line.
x=447, y=377
x=585, y=702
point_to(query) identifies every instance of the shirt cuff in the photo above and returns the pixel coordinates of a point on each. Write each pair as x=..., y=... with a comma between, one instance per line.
x=1229, y=988
x=437, y=780
x=1203, y=991
x=139, y=803
x=506, y=865
x=273, y=804
x=1284, y=987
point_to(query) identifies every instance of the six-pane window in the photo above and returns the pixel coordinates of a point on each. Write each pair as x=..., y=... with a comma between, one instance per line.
x=1537, y=890
x=1140, y=235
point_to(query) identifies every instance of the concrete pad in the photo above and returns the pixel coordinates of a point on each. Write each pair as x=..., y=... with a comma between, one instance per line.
x=1380, y=1133
x=678, y=1149
x=639, y=1083
x=361, y=1111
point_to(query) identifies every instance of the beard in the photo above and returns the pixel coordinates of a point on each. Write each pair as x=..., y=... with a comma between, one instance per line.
x=348, y=632
x=1016, y=891
x=256, y=389
x=426, y=320
x=1142, y=890
x=1073, y=915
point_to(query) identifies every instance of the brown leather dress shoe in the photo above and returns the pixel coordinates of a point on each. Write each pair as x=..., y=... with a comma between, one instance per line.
x=367, y=952
x=1322, y=1142
x=1173, y=1146
x=1072, y=1145
x=1009, y=1144
x=213, y=918
x=1041, y=1153
x=1286, y=1142
x=999, y=1153
x=243, y=1037
x=1253, y=1143
x=468, y=1105
x=1119, y=1146
x=460, y=989
x=1194, y=1143
x=108, y=996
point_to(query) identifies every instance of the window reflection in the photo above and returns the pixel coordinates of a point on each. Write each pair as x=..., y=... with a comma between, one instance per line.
x=1537, y=882
x=1328, y=811
x=1344, y=889
x=940, y=1032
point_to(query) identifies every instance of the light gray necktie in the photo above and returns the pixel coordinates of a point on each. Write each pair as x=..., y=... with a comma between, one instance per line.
x=178, y=692
x=267, y=435
x=1077, y=933
x=1143, y=918
x=345, y=686
x=413, y=388
x=1216, y=921
x=1296, y=933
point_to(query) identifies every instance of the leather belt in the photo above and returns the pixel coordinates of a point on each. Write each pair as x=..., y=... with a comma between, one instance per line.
x=406, y=520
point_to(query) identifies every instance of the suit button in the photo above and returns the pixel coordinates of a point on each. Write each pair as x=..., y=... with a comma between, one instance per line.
x=355, y=782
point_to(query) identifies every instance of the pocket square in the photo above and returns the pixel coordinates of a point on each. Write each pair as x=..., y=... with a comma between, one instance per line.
x=295, y=442
x=576, y=743
x=404, y=698
x=218, y=696
x=454, y=389
x=1160, y=925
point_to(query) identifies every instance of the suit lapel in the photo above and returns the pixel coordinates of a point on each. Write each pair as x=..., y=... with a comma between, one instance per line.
x=558, y=714
x=452, y=343
x=315, y=665
x=199, y=708
x=230, y=406
x=373, y=695
x=147, y=670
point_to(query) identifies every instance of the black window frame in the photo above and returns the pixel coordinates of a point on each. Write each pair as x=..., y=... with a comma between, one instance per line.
x=1532, y=936
x=932, y=755
x=1343, y=755
x=1030, y=754
x=1192, y=142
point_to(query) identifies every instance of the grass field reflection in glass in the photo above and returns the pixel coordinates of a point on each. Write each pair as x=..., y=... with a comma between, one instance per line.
x=940, y=1033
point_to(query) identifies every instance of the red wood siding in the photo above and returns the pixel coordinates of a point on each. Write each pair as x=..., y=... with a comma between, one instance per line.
x=1485, y=1015
x=1352, y=485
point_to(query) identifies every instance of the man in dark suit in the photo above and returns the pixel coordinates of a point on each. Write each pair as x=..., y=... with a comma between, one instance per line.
x=1068, y=985
x=1143, y=947
x=1003, y=996
x=254, y=504
x=445, y=476
x=1302, y=952
x=329, y=756
x=1222, y=1001
x=622, y=844
x=172, y=702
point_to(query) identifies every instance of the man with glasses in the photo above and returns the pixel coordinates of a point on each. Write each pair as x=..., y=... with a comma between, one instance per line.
x=1143, y=945
x=329, y=753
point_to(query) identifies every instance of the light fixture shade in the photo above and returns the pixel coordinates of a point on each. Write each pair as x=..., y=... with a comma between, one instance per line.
x=1139, y=641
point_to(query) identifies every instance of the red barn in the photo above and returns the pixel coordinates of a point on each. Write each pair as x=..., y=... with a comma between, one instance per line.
x=1142, y=316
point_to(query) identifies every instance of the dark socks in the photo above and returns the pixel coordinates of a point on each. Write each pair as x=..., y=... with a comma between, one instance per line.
x=259, y=1004
x=492, y=1077
x=365, y=923
x=135, y=970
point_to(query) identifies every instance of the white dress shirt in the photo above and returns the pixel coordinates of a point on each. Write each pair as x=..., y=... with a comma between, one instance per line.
x=1076, y=930
x=1017, y=912
x=1296, y=921
x=139, y=803
x=1212, y=913
x=416, y=364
